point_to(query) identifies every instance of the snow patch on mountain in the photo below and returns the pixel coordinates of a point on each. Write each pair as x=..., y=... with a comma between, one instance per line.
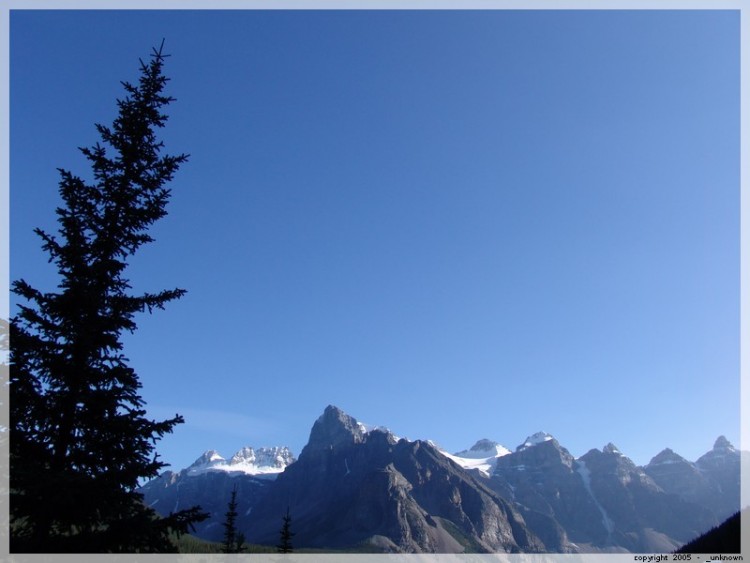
x=534, y=440
x=481, y=456
x=483, y=449
x=610, y=448
x=367, y=428
x=261, y=462
x=585, y=474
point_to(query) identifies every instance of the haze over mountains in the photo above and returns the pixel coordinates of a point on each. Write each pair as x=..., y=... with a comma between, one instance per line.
x=360, y=488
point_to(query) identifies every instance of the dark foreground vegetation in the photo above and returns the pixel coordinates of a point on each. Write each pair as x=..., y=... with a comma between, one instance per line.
x=80, y=441
x=724, y=538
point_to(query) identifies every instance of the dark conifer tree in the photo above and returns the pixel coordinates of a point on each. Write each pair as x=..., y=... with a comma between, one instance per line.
x=286, y=534
x=80, y=439
x=233, y=540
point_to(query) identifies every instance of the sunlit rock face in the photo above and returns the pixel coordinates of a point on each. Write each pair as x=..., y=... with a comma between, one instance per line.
x=352, y=487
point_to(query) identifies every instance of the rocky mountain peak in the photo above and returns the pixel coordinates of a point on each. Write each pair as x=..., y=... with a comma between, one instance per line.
x=722, y=443
x=245, y=455
x=276, y=456
x=722, y=456
x=483, y=445
x=334, y=428
x=263, y=461
x=209, y=457
x=534, y=440
x=610, y=448
x=666, y=456
x=484, y=448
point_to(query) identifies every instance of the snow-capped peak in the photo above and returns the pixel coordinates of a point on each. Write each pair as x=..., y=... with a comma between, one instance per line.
x=482, y=456
x=535, y=439
x=208, y=458
x=483, y=449
x=367, y=428
x=264, y=461
x=245, y=455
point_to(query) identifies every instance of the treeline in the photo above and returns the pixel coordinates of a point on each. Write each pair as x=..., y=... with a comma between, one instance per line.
x=724, y=538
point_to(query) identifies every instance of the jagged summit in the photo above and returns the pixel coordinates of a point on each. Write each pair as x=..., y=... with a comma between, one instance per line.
x=534, y=440
x=483, y=448
x=263, y=461
x=207, y=458
x=246, y=454
x=666, y=456
x=334, y=428
x=610, y=448
x=483, y=445
x=722, y=451
x=722, y=443
x=482, y=456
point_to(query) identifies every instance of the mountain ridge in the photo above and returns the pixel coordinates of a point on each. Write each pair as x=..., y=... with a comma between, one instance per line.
x=357, y=485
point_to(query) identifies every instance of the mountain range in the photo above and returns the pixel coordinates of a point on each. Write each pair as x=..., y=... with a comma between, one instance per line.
x=364, y=489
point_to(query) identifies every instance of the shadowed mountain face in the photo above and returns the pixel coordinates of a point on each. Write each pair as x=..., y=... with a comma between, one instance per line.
x=209, y=482
x=352, y=488
x=712, y=481
x=359, y=489
x=546, y=479
x=644, y=517
x=602, y=500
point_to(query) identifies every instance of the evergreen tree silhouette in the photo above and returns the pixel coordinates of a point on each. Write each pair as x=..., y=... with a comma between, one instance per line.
x=233, y=540
x=285, y=545
x=80, y=441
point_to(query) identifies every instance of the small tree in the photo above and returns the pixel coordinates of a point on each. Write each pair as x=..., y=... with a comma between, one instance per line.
x=286, y=534
x=233, y=541
x=80, y=441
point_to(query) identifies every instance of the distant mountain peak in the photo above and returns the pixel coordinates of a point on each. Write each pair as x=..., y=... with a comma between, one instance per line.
x=610, y=448
x=483, y=445
x=246, y=454
x=208, y=457
x=534, y=440
x=264, y=461
x=666, y=456
x=723, y=452
x=482, y=456
x=722, y=443
x=483, y=448
x=334, y=428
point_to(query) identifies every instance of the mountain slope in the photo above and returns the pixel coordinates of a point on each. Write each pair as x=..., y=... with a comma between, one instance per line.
x=209, y=482
x=712, y=481
x=602, y=500
x=350, y=487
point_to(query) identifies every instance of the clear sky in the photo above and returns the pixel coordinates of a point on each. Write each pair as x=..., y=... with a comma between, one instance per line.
x=459, y=225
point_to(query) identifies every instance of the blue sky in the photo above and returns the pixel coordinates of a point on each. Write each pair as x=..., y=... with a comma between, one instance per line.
x=456, y=224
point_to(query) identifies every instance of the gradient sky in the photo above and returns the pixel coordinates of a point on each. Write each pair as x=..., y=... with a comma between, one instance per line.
x=459, y=225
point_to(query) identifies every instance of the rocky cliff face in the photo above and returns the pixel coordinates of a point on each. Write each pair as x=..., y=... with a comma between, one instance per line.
x=712, y=481
x=643, y=517
x=545, y=478
x=353, y=488
x=601, y=500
